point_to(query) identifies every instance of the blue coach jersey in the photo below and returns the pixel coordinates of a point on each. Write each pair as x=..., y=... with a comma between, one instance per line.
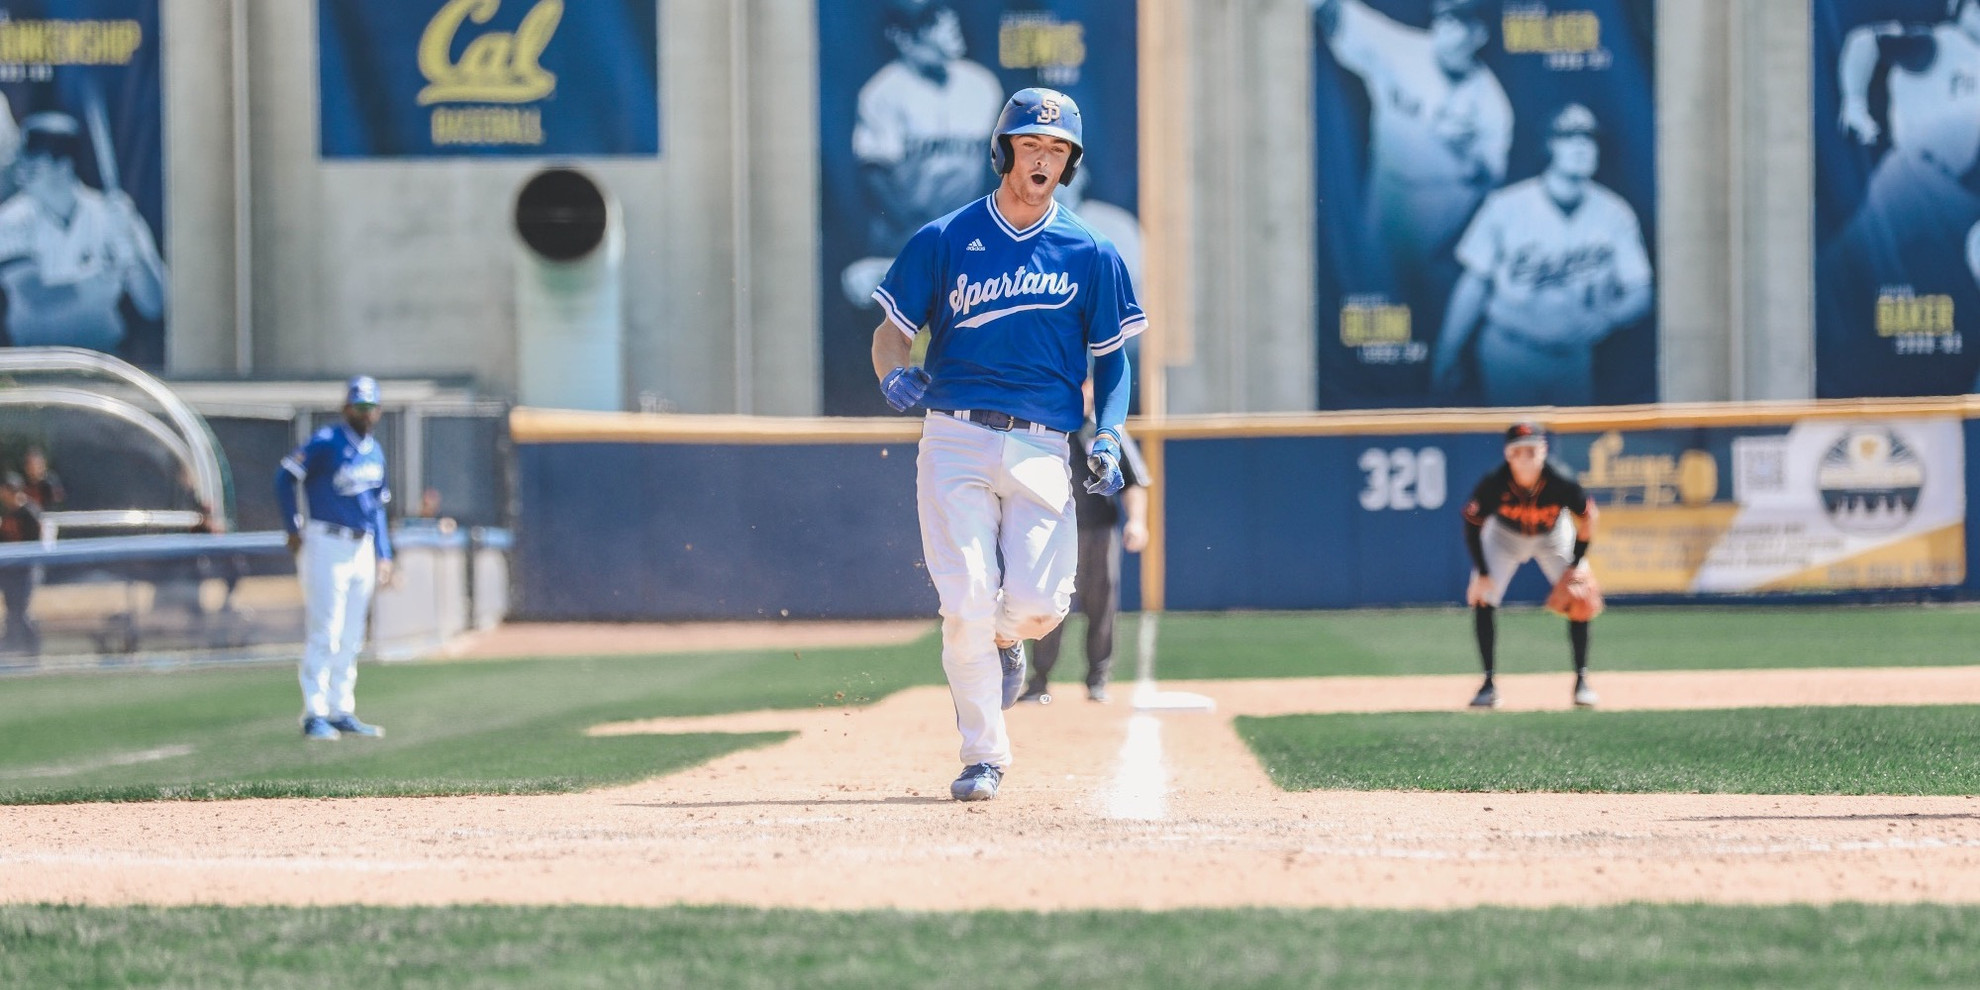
x=1013, y=314
x=343, y=477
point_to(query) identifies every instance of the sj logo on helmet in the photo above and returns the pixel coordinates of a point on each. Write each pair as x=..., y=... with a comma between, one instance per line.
x=1048, y=112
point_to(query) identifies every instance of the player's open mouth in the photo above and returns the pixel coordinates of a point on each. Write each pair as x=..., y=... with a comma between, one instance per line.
x=1040, y=178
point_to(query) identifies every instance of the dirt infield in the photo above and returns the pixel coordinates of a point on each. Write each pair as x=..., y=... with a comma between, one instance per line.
x=1106, y=808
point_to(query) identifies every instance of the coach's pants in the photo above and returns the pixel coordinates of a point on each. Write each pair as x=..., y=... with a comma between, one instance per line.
x=338, y=575
x=1099, y=599
x=1001, y=544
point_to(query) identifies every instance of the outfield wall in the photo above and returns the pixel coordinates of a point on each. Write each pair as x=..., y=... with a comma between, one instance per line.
x=630, y=517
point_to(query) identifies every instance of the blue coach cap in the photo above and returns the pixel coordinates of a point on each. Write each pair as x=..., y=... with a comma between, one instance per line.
x=362, y=391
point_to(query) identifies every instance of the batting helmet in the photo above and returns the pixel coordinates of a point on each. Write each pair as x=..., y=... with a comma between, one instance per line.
x=1037, y=111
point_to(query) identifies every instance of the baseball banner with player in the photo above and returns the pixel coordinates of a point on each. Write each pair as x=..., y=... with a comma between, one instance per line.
x=1897, y=196
x=444, y=78
x=1822, y=505
x=1487, y=202
x=82, y=177
x=908, y=92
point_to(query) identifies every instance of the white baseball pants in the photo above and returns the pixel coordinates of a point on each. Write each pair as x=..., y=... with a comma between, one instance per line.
x=338, y=575
x=1001, y=544
x=1506, y=549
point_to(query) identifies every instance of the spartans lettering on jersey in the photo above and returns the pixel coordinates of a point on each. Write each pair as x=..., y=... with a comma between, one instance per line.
x=968, y=295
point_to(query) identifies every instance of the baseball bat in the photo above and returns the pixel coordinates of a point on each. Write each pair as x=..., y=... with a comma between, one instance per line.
x=97, y=118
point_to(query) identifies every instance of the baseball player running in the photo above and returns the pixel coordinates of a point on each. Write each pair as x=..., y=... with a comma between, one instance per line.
x=1525, y=510
x=1017, y=293
x=343, y=553
x=1553, y=264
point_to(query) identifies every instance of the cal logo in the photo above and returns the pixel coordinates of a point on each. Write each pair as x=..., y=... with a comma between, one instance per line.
x=1048, y=112
x=497, y=67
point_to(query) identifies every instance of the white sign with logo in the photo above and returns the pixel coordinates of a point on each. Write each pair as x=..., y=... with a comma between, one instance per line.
x=1845, y=505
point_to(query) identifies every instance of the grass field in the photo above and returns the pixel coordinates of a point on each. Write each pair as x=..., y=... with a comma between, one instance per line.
x=1843, y=750
x=1634, y=946
x=1439, y=641
x=517, y=726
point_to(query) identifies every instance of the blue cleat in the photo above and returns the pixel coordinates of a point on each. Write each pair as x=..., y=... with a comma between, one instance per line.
x=318, y=727
x=978, y=782
x=349, y=724
x=1013, y=660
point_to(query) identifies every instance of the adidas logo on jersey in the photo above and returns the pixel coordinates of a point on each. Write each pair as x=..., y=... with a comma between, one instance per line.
x=976, y=245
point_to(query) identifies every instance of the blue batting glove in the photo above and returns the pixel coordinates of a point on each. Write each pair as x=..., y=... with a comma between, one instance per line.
x=904, y=387
x=1104, y=460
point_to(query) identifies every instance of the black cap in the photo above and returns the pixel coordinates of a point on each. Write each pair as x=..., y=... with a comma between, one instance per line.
x=54, y=134
x=1525, y=431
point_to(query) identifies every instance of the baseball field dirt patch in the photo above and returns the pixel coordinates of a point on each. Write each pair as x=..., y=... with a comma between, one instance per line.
x=1106, y=808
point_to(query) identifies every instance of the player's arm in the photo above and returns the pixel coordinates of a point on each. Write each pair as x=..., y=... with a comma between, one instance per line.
x=1582, y=509
x=144, y=269
x=1460, y=319
x=291, y=473
x=1854, y=69
x=1627, y=299
x=1134, y=504
x=891, y=349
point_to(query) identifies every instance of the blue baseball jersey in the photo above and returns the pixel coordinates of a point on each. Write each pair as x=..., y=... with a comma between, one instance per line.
x=343, y=478
x=1013, y=314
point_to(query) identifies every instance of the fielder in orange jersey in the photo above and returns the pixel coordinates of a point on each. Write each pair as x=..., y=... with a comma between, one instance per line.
x=1525, y=510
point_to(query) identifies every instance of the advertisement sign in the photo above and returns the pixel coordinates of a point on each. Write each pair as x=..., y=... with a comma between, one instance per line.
x=426, y=78
x=1820, y=506
x=1487, y=188
x=82, y=177
x=1897, y=206
x=909, y=91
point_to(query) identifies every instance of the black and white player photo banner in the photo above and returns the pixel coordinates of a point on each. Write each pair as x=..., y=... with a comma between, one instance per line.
x=1897, y=205
x=1486, y=177
x=82, y=179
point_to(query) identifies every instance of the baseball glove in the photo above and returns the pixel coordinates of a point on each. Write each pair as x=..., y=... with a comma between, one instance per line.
x=1576, y=595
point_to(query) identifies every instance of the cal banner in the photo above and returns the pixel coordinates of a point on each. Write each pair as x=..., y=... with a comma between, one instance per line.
x=1897, y=196
x=82, y=177
x=1823, y=505
x=908, y=93
x=1487, y=202
x=422, y=78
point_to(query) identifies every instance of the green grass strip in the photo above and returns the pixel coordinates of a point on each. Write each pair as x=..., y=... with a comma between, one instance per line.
x=1632, y=946
x=1843, y=750
x=511, y=727
x=516, y=727
x=1439, y=640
